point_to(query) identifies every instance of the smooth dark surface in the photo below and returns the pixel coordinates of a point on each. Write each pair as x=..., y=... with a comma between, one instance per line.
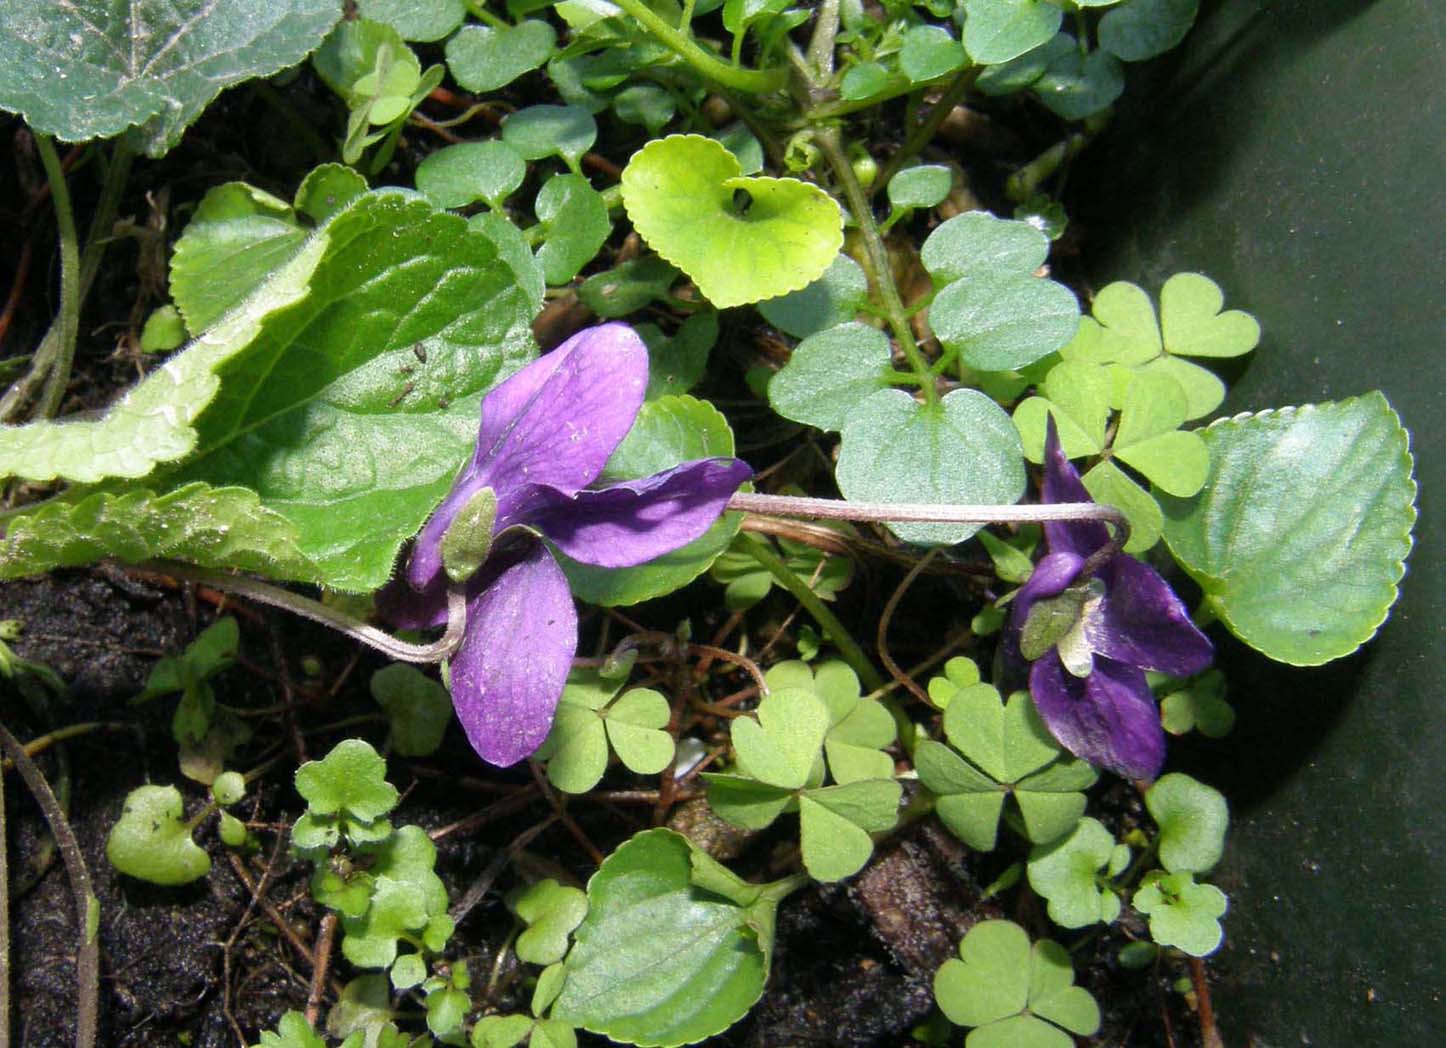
x=1293, y=151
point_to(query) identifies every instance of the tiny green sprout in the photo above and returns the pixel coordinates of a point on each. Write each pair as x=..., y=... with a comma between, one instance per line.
x=152, y=840
x=228, y=788
x=165, y=329
x=213, y=651
x=1192, y=818
x=347, y=794
x=448, y=1001
x=232, y=831
x=1073, y=874
x=1182, y=914
x=407, y=905
x=1014, y=994
x=418, y=708
x=917, y=187
x=997, y=750
x=1011, y=558
x=1197, y=704
x=295, y=1032
x=592, y=717
x=551, y=911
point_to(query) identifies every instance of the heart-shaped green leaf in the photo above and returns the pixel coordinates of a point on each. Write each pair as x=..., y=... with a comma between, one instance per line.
x=1006, y=740
x=483, y=58
x=93, y=68
x=423, y=22
x=962, y=449
x=835, y=823
x=686, y=198
x=1182, y=914
x=1299, y=535
x=1193, y=324
x=418, y=708
x=458, y=175
x=1076, y=86
x=575, y=223
x=551, y=911
x=1068, y=874
x=782, y=746
x=829, y=373
x=929, y=52
x=1140, y=29
x=745, y=802
x=1192, y=818
x=997, y=30
x=542, y=131
x=635, y=723
x=834, y=298
x=152, y=840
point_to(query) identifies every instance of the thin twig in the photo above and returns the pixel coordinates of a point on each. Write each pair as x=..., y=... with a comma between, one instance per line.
x=87, y=954
x=1209, y=1033
x=288, y=693
x=230, y=943
x=560, y=808
x=883, y=632
x=269, y=908
x=321, y=962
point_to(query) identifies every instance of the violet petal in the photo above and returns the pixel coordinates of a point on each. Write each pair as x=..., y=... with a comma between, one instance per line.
x=1108, y=718
x=635, y=521
x=1062, y=484
x=509, y=672
x=1143, y=623
x=558, y=420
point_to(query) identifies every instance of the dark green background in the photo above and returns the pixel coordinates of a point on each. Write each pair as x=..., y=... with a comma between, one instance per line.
x=1293, y=151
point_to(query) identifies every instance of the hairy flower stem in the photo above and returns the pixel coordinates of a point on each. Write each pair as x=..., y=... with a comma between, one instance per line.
x=384, y=642
x=880, y=271
x=87, y=955
x=706, y=65
x=833, y=629
x=937, y=513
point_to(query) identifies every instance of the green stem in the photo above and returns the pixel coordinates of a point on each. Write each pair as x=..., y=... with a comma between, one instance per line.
x=821, y=44
x=833, y=629
x=87, y=956
x=877, y=259
x=708, y=66
x=102, y=224
x=826, y=112
x=50, y=369
x=925, y=131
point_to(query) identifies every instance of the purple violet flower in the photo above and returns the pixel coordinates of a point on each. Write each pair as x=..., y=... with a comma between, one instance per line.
x=1091, y=639
x=546, y=433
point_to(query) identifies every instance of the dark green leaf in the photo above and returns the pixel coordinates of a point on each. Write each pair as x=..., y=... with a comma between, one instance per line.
x=483, y=58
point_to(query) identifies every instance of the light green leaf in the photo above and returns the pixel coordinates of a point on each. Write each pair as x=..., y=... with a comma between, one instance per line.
x=929, y=52
x=646, y=104
x=152, y=840
x=1192, y=818
x=576, y=749
x=1148, y=438
x=551, y=911
x=660, y=960
x=1109, y=485
x=782, y=746
x=668, y=431
x=1069, y=874
x=830, y=373
x=483, y=58
x=575, y=224
x=350, y=780
x=962, y=449
x=417, y=706
x=1198, y=705
x=977, y=242
x=93, y=68
x=864, y=80
x=997, y=30
x=1007, y=741
x=682, y=194
x=744, y=802
x=834, y=825
x=165, y=330
x=1141, y=29
x=212, y=527
x=1182, y=914
x=213, y=651
x=923, y=185
x=1299, y=535
x=500, y=1031
x=1077, y=394
x=330, y=413
x=1193, y=324
x=425, y=21
x=834, y=298
x=458, y=175
x=635, y=723
x=543, y=131
x=1129, y=328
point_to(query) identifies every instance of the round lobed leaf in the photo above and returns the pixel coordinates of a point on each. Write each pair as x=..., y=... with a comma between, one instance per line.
x=1192, y=818
x=152, y=841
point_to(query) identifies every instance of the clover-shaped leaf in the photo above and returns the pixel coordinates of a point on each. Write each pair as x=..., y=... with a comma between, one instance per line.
x=347, y=794
x=993, y=311
x=418, y=708
x=590, y=716
x=960, y=672
x=1126, y=333
x=860, y=729
x=1182, y=913
x=461, y=174
x=152, y=840
x=551, y=911
x=961, y=449
x=1299, y=535
x=996, y=31
x=834, y=298
x=1198, y=705
x=1192, y=818
x=782, y=746
x=1071, y=874
x=483, y=58
x=1009, y=751
x=686, y=197
x=829, y=373
x=835, y=823
x=1013, y=994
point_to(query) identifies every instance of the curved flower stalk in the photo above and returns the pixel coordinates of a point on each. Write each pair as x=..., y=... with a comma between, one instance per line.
x=546, y=434
x=1091, y=634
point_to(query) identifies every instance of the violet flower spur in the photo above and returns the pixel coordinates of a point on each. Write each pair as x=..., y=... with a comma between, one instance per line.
x=546, y=433
x=1092, y=638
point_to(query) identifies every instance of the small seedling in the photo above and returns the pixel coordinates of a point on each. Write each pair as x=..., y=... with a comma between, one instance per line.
x=551, y=911
x=1074, y=874
x=1182, y=913
x=347, y=796
x=152, y=840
